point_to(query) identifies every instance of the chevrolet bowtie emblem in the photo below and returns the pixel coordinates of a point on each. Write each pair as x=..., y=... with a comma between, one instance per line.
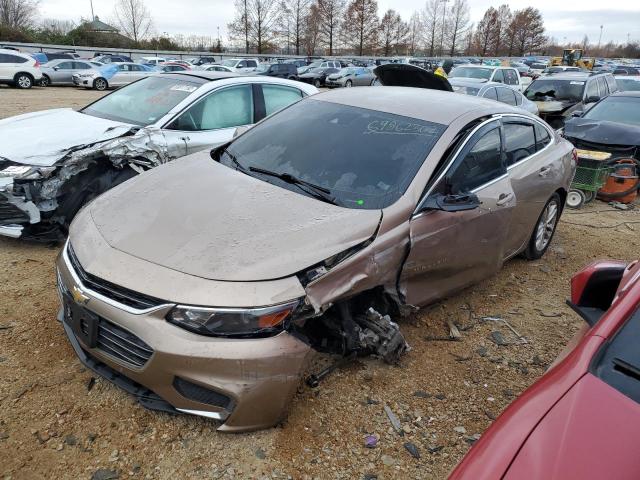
x=78, y=296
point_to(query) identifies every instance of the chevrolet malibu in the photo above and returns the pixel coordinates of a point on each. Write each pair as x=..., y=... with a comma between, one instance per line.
x=207, y=285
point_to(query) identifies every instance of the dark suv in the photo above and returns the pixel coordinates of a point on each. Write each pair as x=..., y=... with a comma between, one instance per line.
x=281, y=70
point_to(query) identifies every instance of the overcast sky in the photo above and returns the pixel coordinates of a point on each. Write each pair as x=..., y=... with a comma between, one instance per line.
x=202, y=17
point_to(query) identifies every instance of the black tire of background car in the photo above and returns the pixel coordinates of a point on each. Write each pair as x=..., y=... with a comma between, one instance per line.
x=45, y=82
x=100, y=84
x=348, y=83
x=23, y=81
x=532, y=252
x=317, y=83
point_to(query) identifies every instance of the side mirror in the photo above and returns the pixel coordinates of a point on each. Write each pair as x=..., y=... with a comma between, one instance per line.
x=452, y=202
x=240, y=130
x=592, y=99
x=56, y=68
x=576, y=113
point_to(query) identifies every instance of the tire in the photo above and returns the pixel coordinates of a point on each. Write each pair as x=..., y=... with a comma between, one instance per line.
x=348, y=84
x=589, y=195
x=317, y=83
x=45, y=82
x=575, y=199
x=23, y=81
x=545, y=229
x=100, y=84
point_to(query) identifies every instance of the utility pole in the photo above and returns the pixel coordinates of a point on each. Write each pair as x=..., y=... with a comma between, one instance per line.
x=444, y=11
x=246, y=27
x=93, y=17
x=600, y=38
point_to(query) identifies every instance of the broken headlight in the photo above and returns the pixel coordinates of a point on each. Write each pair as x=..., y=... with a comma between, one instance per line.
x=25, y=172
x=233, y=322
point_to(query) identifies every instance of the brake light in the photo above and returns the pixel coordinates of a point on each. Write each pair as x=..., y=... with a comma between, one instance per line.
x=574, y=155
x=37, y=64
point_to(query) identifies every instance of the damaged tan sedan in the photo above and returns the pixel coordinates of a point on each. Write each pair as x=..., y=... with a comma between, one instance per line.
x=207, y=284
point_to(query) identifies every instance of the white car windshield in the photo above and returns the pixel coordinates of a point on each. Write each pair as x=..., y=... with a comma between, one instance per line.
x=471, y=72
x=229, y=63
x=143, y=102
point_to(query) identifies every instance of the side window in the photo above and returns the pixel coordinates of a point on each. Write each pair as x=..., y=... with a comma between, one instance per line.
x=519, y=98
x=519, y=141
x=603, y=87
x=592, y=89
x=491, y=93
x=481, y=164
x=510, y=77
x=498, y=76
x=65, y=65
x=277, y=97
x=542, y=137
x=123, y=68
x=137, y=68
x=4, y=58
x=252, y=63
x=226, y=108
x=242, y=64
x=81, y=66
x=506, y=95
x=611, y=81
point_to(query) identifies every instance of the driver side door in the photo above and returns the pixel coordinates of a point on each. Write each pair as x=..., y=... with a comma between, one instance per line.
x=453, y=249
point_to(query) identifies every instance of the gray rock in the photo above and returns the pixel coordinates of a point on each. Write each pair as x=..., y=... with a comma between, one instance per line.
x=421, y=394
x=70, y=440
x=461, y=430
x=388, y=460
x=261, y=454
x=104, y=474
x=482, y=351
x=412, y=449
x=497, y=338
x=395, y=421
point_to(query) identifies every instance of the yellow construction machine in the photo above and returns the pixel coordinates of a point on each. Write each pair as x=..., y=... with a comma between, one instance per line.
x=572, y=57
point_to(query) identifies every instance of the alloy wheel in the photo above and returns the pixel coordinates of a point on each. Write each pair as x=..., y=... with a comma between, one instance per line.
x=24, y=81
x=546, y=225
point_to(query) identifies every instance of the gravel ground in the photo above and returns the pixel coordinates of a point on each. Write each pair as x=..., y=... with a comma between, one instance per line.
x=53, y=425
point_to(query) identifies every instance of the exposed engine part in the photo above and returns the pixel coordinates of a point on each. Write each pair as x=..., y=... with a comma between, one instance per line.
x=381, y=336
x=314, y=380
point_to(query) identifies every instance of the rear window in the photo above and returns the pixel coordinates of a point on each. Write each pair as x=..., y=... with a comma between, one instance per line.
x=365, y=158
x=8, y=58
x=541, y=90
x=618, y=362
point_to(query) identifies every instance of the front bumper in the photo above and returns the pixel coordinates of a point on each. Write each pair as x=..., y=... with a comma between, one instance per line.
x=245, y=383
x=16, y=212
x=333, y=83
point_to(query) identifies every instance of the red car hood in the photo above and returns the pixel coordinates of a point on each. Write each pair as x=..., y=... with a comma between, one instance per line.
x=591, y=433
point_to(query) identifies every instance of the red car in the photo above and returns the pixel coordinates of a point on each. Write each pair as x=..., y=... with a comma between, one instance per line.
x=581, y=420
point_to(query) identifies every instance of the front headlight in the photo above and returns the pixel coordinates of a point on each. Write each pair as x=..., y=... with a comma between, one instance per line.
x=25, y=172
x=233, y=322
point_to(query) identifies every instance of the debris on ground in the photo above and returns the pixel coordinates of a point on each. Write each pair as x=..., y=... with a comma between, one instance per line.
x=395, y=421
x=412, y=449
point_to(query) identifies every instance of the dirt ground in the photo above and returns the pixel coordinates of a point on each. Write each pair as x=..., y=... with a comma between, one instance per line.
x=53, y=425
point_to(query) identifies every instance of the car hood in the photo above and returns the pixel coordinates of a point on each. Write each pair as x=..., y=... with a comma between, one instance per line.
x=591, y=433
x=43, y=138
x=554, y=106
x=407, y=75
x=204, y=219
x=604, y=132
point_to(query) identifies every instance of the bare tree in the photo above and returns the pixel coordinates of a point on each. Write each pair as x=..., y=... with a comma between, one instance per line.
x=485, y=32
x=400, y=36
x=134, y=19
x=528, y=30
x=458, y=23
x=294, y=14
x=239, y=27
x=312, y=33
x=57, y=26
x=330, y=13
x=18, y=13
x=413, y=38
x=388, y=28
x=361, y=24
x=500, y=37
x=432, y=20
x=257, y=22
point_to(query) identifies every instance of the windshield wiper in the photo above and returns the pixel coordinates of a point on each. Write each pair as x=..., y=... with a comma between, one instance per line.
x=235, y=160
x=316, y=191
x=626, y=368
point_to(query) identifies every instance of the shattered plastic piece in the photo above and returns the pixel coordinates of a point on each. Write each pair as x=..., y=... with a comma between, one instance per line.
x=371, y=441
x=412, y=449
x=395, y=421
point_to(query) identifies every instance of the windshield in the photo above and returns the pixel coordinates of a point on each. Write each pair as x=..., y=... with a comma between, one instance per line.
x=229, y=63
x=616, y=109
x=365, y=158
x=471, y=72
x=143, y=102
x=347, y=71
x=628, y=85
x=314, y=65
x=569, y=90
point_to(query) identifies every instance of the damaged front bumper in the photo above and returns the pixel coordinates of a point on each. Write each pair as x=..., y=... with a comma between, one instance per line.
x=16, y=212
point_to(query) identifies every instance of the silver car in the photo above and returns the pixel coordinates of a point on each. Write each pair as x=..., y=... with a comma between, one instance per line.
x=61, y=71
x=78, y=155
x=493, y=91
x=351, y=77
x=113, y=75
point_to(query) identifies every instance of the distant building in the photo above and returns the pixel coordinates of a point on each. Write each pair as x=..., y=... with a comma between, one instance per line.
x=98, y=26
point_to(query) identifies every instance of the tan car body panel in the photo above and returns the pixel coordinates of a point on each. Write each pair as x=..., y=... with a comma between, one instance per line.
x=416, y=257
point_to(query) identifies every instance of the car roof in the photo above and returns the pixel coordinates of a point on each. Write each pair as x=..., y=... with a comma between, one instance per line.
x=634, y=94
x=14, y=52
x=206, y=74
x=628, y=77
x=568, y=76
x=416, y=103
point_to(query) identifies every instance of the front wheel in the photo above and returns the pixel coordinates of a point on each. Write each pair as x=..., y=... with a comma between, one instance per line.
x=348, y=84
x=545, y=228
x=317, y=83
x=45, y=82
x=24, y=81
x=100, y=84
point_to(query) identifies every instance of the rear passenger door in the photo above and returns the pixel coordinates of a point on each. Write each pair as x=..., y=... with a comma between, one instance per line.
x=506, y=95
x=277, y=97
x=451, y=250
x=63, y=72
x=531, y=175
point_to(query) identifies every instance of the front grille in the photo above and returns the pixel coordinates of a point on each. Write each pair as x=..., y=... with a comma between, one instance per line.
x=122, y=344
x=9, y=213
x=116, y=293
x=200, y=394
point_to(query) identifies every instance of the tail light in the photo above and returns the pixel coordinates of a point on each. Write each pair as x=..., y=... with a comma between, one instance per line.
x=37, y=64
x=574, y=155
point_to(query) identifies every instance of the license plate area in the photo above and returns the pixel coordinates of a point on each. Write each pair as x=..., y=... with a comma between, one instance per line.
x=83, y=322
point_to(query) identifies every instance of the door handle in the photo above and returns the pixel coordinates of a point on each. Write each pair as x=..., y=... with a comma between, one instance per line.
x=504, y=198
x=544, y=171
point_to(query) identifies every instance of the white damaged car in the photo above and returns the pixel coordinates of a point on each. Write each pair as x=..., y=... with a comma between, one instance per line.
x=54, y=161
